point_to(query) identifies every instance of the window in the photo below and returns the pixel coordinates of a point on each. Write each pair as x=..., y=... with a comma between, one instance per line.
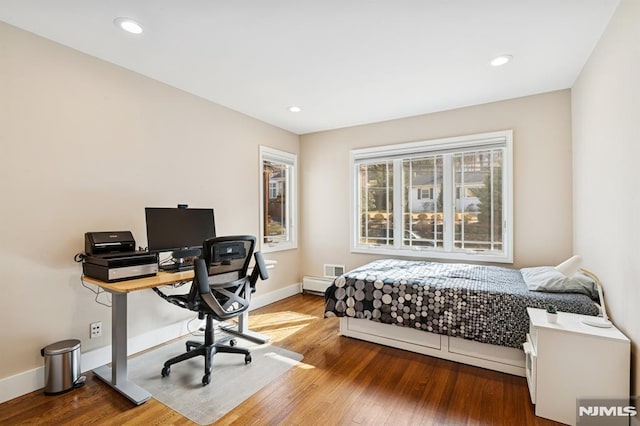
x=278, y=211
x=274, y=189
x=447, y=198
x=424, y=193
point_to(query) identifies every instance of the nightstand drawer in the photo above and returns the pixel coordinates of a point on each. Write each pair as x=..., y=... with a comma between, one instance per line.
x=531, y=360
x=532, y=337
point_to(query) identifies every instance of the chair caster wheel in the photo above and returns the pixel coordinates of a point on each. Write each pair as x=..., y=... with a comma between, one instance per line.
x=247, y=359
x=206, y=379
x=233, y=342
x=166, y=371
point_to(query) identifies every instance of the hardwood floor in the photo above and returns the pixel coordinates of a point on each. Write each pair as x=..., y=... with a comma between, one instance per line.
x=341, y=381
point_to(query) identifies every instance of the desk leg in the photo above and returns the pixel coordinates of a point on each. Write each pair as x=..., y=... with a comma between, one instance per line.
x=116, y=376
x=243, y=330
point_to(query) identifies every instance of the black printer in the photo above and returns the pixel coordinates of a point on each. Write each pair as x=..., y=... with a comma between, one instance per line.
x=112, y=257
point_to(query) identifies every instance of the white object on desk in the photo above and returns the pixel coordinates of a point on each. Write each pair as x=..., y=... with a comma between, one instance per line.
x=569, y=360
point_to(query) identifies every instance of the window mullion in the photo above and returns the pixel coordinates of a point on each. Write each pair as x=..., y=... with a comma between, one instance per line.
x=492, y=236
x=463, y=196
x=398, y=216
x=366, y=203
x=448, y=198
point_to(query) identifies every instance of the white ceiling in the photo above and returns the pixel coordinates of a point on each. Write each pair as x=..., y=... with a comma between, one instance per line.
x=344, y=62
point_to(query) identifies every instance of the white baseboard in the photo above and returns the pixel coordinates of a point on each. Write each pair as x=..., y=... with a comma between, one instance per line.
x=28, y=381
x=21, y=383
x=273, y=296
x=316, y=284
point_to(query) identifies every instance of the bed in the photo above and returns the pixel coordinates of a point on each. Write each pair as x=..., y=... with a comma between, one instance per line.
x=474, y=314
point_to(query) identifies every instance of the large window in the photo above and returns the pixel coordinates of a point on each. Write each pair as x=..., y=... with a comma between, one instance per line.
x=447, y=198
x=278, y=215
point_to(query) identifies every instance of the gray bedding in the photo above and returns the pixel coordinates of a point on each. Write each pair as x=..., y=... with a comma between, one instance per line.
x=482, y=303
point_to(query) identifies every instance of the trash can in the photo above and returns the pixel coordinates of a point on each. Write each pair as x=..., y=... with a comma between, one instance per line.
x=62, y=366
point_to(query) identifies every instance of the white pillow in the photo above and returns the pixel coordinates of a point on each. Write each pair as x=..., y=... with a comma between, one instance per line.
x=549, y=279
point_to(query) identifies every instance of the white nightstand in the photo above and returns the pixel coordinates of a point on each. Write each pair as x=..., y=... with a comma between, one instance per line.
x=569, y=360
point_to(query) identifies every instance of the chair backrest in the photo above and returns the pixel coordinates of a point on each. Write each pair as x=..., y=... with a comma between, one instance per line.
x=229, y=254
x=221, y=275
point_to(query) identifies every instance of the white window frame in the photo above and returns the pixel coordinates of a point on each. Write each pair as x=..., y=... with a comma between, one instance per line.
x=501, y=139
x=291, y=197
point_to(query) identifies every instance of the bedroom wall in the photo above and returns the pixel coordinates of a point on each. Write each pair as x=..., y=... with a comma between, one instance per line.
x=542, y=168
x=606, y=145
x=85, y=146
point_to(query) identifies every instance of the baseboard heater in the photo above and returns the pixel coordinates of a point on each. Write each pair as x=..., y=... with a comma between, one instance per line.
x=315, y=284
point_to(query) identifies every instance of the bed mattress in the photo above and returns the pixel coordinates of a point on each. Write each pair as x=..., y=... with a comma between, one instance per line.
x=487, y=304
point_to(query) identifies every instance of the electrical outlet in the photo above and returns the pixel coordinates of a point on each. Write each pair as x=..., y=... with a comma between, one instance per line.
x=96, y=329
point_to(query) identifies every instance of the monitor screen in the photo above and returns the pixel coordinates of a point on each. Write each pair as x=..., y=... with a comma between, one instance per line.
x=174, y=229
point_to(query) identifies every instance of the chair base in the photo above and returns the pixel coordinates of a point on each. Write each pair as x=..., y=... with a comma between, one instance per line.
x=207, y=349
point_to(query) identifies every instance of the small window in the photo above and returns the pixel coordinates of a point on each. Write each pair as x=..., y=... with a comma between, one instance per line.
x=278, y=213
x=448, y=198
x=273, y=190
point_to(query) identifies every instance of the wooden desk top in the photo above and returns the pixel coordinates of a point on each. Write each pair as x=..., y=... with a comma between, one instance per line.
x=163, y=278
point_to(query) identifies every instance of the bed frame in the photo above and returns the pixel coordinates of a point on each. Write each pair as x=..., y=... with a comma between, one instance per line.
x=498, y=358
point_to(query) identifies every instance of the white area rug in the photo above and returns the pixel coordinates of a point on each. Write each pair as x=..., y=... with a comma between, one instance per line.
x=231, y=380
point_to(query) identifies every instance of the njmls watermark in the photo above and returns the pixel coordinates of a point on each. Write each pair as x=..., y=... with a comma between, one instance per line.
x=607, y=412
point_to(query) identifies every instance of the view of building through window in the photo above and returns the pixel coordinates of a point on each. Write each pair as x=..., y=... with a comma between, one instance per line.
x=275, y=226
x=450, y=200
x=278, y=210
x=477, y=201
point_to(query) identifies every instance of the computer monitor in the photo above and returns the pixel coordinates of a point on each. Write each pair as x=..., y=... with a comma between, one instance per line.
x=178, y=230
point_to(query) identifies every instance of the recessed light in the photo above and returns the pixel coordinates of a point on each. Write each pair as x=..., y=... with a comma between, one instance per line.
x=128, y=24
x=501, y=60
x=295, y=109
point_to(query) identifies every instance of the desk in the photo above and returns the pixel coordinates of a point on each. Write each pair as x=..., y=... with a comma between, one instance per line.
x=116, y=376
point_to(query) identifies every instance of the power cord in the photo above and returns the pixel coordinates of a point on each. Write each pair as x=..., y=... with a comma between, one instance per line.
x=79, y=257
x=198, y=332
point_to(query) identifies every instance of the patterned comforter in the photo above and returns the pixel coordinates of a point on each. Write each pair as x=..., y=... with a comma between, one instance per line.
x=482, y=303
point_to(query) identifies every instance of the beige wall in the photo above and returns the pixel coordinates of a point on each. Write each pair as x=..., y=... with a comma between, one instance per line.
x=85, y=146
x=606, y=144
x=542, y=169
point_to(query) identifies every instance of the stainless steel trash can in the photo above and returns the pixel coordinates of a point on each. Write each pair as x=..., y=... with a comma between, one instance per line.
x=62, y=366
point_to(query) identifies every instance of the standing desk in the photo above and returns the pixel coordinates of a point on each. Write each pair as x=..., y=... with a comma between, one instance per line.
x=116, y=375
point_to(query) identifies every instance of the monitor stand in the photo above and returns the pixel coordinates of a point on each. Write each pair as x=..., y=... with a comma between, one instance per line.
x=182, y=260
x=176, y=267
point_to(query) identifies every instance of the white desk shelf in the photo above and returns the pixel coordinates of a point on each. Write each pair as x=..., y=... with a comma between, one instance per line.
x=569, y=360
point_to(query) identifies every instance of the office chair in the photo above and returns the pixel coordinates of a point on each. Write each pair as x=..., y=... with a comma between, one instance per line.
x=221, y=289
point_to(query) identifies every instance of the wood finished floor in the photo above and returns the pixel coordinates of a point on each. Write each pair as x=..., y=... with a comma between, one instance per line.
x=341, y=381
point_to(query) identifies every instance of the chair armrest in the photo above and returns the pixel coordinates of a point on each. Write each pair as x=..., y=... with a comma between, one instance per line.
x=201, y=275
x=259, y=269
